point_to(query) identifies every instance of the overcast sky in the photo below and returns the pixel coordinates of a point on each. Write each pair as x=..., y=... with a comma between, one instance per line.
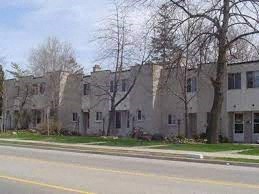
x=26, y=23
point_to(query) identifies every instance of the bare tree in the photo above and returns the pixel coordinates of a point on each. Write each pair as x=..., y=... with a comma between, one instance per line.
x=218, y=19
x=23, y=96
x=53, y=55
x=122, y=48
x=55, y=60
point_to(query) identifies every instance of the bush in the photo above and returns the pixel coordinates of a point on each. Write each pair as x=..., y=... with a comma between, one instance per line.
x=54, y=128
x=158, y=137
x=223, y=139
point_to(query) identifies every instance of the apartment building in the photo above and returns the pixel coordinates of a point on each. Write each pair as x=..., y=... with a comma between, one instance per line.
x=154, y=104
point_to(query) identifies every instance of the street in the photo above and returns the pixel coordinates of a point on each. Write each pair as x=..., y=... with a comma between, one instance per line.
x=24, y=171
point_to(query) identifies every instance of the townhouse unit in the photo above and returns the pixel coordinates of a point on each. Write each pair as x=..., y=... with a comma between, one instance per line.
x=154, y=104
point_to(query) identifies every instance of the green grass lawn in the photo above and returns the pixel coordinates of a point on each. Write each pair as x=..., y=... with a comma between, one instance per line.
x=124, y=142
x=129, y=142
x=254, y=151
x=206, y=147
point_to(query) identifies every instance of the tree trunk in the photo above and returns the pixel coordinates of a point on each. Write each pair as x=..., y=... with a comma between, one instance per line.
x=186, y=124
x=213, y=127
x=111, y=121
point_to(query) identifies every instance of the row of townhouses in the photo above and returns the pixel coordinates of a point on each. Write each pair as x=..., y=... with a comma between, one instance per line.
x=84, y=102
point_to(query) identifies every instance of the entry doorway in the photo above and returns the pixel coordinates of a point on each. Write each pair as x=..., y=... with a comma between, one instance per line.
x=86, y=120
x=238, y=127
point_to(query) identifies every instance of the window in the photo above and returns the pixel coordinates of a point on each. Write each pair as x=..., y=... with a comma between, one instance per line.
x=128, y=119
x=234, y=81
x=256, y=122
x=123, y=85
x=86, y=89
x=170, y=122
x=42, y=88
x=75, y=116
x=99, y=116
x=239, y=124
x=192, y=84
x=111, y=86
x=17, y=90
x=252, y=79
x=139, y=115
x=35, y=89
x=118, y=120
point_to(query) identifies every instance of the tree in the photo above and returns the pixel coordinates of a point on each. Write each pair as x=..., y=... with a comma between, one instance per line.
x=122, y=48
x=55, y=60
x=53, y=55
x=23, y=96
x=1, y=89
x=174, y=52
x=218, y=19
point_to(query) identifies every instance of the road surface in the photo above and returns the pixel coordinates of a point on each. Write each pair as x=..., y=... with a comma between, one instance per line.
x=29, y=171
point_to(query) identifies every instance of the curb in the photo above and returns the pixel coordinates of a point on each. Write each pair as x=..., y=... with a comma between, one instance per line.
x=195, y=158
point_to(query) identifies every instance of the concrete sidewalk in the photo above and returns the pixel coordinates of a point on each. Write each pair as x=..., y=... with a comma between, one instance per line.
x=131, y=151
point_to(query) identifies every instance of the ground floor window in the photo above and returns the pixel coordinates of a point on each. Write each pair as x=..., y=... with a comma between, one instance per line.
x=256, y=122
x=75, y=116
x=239, y=123
x=139, y=114
x=99, y=116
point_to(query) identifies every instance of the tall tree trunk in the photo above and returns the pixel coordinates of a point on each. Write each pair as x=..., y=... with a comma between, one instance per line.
x=186, y=124
x=111, y=121
x=213, y=127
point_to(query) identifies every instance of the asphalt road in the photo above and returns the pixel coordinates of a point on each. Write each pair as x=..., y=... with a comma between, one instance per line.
x=29, y=171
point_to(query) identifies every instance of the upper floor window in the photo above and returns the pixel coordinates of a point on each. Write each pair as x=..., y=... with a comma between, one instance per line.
x=99, y=116
x=234, y=81
x=86, y=89
x=42, y=88
x=170, y=119
x=17, y=90
x=123, y=85
x=252, y=79
x=35, y=89
x=192, y=84
x=111, y=86
x=75, y=116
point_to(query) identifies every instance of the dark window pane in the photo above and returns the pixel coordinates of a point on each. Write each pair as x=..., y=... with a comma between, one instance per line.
x=169, y=119
x=256, y=79
x=111, y=86
x=189, y=85
x=256, y=128
x=250, y=79
x=230, y=81
x=238, y=81
x=238, y=128
x=123, y=85
x=256, y=117
x=139, y=115
x=194, y=85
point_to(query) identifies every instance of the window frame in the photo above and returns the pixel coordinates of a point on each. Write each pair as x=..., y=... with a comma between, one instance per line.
x=238, y=123
x=139, y=115
x=255, y=79
x=99, y=116
x=191, y=85
x=75, y=117
x=86, y=89
x=124, y=85
x=255, y=123
x=111, y=86
x=235, y=81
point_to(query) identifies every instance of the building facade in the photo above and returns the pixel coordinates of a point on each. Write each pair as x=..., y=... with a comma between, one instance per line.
x=154, y=104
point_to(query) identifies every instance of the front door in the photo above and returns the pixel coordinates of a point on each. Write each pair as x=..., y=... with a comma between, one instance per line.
x=238, y=127
x=86, y=122
x=118, y=120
